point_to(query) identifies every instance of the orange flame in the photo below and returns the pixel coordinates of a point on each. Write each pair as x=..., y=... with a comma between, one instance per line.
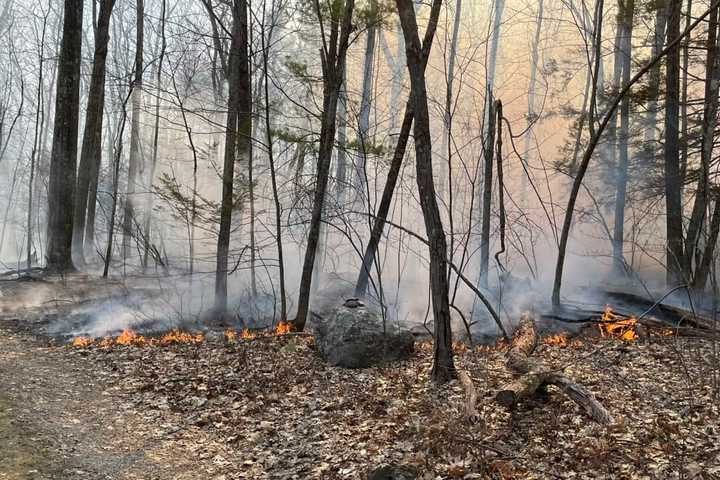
x=230, y=335
x=559, y=340
x=129, y=337
x=616, y=327
x=82, y=342
x=284, y=327
x=178, y=336
x=247, y=334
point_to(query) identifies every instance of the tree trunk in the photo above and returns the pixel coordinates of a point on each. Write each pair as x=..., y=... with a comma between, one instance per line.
x=673, y=43
x=91, y=153
x=654, y=79
x=443, y=365
x=237, y=140
x=366, y=101
x=673, y=200
x=63, y=158
x=39, y=111
x=709, y=122
x=135, y=161
x=341, y=167
x=705, y=264
x=116, y=183
x=487, y=194
x=625, y=17
x=333, y=63
x=156, y=133
x=444, y=167
x=532, y=86
x=395, y=166
x=271, y=159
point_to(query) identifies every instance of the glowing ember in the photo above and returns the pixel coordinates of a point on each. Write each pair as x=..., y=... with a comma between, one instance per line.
x=559, y=340
x=82, y=342
x=615, y=327
x=284, y=327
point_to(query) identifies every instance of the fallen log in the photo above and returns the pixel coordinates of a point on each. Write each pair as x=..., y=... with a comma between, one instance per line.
x=532, y=375
x=676, y=316
x=471, y=413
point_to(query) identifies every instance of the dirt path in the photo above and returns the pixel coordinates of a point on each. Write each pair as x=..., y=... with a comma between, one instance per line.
x=59, y=421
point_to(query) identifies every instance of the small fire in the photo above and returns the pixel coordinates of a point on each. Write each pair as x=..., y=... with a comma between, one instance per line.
x=284, y=327
x=129, y=337
x=616, y=327
x=499, y=346
x=559, y=340
x=562, y=340
x=82, y=342
x=230, y=335
x=178, y=336
x=247, y=334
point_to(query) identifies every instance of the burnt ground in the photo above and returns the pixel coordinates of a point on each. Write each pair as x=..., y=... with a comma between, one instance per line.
x=269, y=408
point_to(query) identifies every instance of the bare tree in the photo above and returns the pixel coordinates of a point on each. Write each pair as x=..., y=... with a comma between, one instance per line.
x=63, y=159
x=237, y=140
x=91, y=152
x=334, y=50
x=135, y=160
x=673, y=197
x=443, y=365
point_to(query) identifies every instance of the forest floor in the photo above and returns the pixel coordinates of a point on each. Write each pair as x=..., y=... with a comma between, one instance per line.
x=269, y=408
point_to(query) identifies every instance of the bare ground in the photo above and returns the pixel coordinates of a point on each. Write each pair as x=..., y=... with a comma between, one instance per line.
x=60, y=419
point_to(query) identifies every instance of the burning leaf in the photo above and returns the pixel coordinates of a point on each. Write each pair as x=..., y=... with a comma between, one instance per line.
x=231, y=335
x=178, y=336
x=129, y=337
x=82, y=342
x=247, y=334
x=559, y=340
x=284, y=327
x=616, y=327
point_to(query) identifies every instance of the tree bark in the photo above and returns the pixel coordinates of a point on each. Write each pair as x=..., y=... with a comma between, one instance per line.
x=673, y=197
x=365, y=100
x=710, y=110
x=271, y=159
x=237, y=140
x=63, y=159
x=91, y=153
x=156, y=133
x=333, y=62
x=443, y=365
x=654, y=78
x=395, y=166
x=487, y=193
x=625, y=16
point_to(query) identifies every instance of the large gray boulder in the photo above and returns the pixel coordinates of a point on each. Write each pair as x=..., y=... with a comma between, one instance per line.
x=353, y=337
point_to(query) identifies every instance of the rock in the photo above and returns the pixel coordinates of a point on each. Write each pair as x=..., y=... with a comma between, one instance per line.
x=353, y=337
x=393, y=472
